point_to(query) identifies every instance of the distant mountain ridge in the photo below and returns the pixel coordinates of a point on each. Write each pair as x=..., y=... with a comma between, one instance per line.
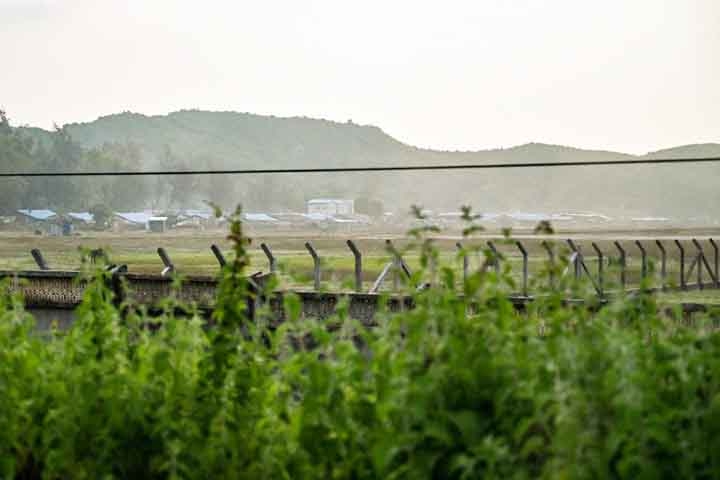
x=201, y=139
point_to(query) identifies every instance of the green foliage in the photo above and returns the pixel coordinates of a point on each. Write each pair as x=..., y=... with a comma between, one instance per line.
x=461, y=386
x=23, y=150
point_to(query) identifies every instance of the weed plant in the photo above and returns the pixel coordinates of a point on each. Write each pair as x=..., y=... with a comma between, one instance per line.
x=462, y=386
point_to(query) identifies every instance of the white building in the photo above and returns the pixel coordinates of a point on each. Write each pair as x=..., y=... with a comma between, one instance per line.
x=330, y=206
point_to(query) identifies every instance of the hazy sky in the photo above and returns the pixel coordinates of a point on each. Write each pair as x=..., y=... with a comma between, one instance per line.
x=630, y=75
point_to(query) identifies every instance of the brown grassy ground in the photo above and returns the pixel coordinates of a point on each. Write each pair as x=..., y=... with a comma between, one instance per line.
x=190, y=251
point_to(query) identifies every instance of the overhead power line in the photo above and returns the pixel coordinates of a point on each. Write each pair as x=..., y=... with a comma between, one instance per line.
x=399, y=168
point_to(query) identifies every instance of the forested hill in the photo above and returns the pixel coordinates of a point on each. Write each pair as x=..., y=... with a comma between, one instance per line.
x=244, y=140
x=200, y=139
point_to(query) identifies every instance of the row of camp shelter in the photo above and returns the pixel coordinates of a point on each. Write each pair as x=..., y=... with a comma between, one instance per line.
x=52, y=223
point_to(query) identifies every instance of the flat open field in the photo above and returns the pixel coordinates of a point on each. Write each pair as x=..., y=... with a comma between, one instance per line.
x=190, y=252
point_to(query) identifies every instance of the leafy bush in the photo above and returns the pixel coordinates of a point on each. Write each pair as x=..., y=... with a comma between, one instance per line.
x=461, y=386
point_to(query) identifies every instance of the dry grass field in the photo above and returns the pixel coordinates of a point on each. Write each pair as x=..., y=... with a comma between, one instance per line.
x=190, y=252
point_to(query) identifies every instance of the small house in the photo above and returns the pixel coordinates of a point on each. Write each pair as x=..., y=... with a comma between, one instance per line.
x=259, y=218
x=42, y=220
x=330, y=206
x=131, y=221
x=157, y=224
x=196, y=218
x=80, y=219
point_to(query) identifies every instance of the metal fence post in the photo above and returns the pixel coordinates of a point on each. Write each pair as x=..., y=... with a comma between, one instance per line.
x=316, y=264
x=358, y=265
x=218, y=255
x=700, y=258
x=663, y=264
x=623, y=264
x=271, y=258
x=683, y=283
x=169, y=267
x=39, y=259
x=525, y=268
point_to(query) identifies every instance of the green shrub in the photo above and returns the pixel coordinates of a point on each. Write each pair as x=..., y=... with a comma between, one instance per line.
x=461, y=386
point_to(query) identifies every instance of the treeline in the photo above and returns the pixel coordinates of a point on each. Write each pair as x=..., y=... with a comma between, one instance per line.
x=58, y=151
x=193, y=139
x=20, y=152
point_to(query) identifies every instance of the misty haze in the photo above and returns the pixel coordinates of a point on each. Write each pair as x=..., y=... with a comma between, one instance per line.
x=323, y=239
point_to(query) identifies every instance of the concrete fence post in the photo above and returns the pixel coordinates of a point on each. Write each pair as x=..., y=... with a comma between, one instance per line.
x=551, y=261
x=702, y=259
x=316, y=264
x=643, y=259
x=683, y=282
x=717, y=262
x=525, y=272
x=169, y=267
x=623, y=264
x=271, y=258
x=358, y=265
x=663, y=264
x=218, y=255
x=465, y=261
x=601, y=269
x=496, y=257
x=39, y=259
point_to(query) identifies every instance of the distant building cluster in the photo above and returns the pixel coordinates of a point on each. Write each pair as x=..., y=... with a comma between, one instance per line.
x=326, y=214
x=49, y=222
x=330, y=206
x=320, y=213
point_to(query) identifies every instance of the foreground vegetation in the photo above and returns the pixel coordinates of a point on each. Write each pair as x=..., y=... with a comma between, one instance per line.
x=461, y=386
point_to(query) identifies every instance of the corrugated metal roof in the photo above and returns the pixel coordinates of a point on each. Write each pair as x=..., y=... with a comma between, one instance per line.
x=258, y=217
x=41, y=215
x=139, y=218
x=317, y=217
x=329, y=200
x=204, y=214
x=86, y=217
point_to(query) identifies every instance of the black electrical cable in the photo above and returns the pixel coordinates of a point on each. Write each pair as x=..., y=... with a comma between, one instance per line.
x=399, y=168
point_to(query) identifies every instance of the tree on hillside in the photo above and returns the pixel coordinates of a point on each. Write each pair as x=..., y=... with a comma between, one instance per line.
x=122, y=193
x=177, y=189
x=63, y=155
x=15, y=155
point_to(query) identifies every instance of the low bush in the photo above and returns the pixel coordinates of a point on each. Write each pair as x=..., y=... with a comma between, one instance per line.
x=461, y=386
